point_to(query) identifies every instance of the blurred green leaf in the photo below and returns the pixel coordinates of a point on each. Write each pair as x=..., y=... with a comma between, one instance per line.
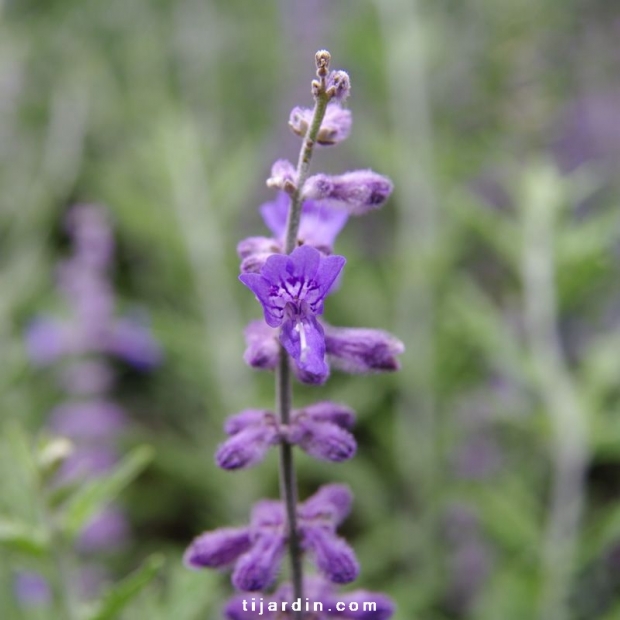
x=22, y=537
x=94, y=495
x=118, y=597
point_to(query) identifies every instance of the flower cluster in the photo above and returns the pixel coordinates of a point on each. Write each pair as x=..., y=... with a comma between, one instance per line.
x=90, y=333
x=291, y=273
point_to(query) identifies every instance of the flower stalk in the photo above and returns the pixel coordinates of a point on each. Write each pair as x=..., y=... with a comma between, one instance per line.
x=288, y=480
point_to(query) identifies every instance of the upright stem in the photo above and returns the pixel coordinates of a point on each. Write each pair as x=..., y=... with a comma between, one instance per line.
x=288, y=480
x=569, y=435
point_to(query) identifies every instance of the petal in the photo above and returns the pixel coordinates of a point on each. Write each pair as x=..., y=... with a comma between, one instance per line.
x=332, y=501
x=257, y=245
x=267, y=513
x=328, y=411
x=320, y=224
x=273, y=306
x=257, y=569
x=217, y=548
x=240, y=421
x=323, y=440
x=305, y=261
x=274, y=214
x=247, y=448
x=333, y=556
x=262, y=349
x=328, y=271
x=357, y=350
x=303, y=340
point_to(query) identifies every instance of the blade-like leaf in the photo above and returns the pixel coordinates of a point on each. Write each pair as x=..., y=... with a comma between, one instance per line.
x=118, y=597
x=96, y=494
x=22, y=537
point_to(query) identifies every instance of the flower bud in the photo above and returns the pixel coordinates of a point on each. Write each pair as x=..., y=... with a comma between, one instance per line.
x=358, y=192
x=249, y=446
x=335, y=126
x=360, y=350
x=283, y=176
x=333, y=556
x=257, y=569
x=322, y=440
x=217, y=548
x=338, y=85
x=263, y=348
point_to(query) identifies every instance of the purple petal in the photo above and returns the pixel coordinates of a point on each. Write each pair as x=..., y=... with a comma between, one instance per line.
x=302, y=266
x=257, y=569
x=262, y=346
x=331, y=501
x=328, y=411
x=356, y=350
x=240, y=421
x=340, y=82
x=108, y=529
x=47, y=340
x=323, y=440
x=358, y=192
x=248, y=447
x=218, y=548
x=88, y=420
x=320, y=225
x=274, y=214
x=133, y=343
x=303, y=340
x=257, y=245
x=273, y=306
x=333, y=556
x=32, y=589
x=328, y=271
x=267, y=515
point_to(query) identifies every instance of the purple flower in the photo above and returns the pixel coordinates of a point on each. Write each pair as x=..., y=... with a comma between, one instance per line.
x=291, y=290
x=338, y=85
x=87, y=420
x=319, y=227
x=256, y=551
x=350, y=349
x=108, y=529
x=321, y=430
x=323, y=604
x=358, y=192
x=283, y=175
x=32, y=589
x=335, y=127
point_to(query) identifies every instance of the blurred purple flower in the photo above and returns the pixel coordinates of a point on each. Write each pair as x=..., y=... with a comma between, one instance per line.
x=335, y=127
x=91, y=420
x=107, y=530
x=32, y=589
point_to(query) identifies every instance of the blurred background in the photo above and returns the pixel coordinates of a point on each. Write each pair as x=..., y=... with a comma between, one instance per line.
x=488, y=472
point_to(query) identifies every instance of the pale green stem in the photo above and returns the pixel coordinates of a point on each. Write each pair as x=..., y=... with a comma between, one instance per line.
x=569, y=449
x=288, y=481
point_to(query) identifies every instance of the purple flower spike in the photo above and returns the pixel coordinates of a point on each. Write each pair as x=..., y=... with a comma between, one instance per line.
x=291, y=290
x=335, y=127
x=248, y=445
x=358, y=192
x=359, y=350
x=218, y=548
x=46, y=340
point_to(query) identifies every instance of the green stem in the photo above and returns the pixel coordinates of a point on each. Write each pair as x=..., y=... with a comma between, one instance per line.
x=284, y=390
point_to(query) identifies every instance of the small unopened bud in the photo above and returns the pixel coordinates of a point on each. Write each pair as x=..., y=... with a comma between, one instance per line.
x=322, y=58
x=338, y=85
x=283, y=176
x=335, y=126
